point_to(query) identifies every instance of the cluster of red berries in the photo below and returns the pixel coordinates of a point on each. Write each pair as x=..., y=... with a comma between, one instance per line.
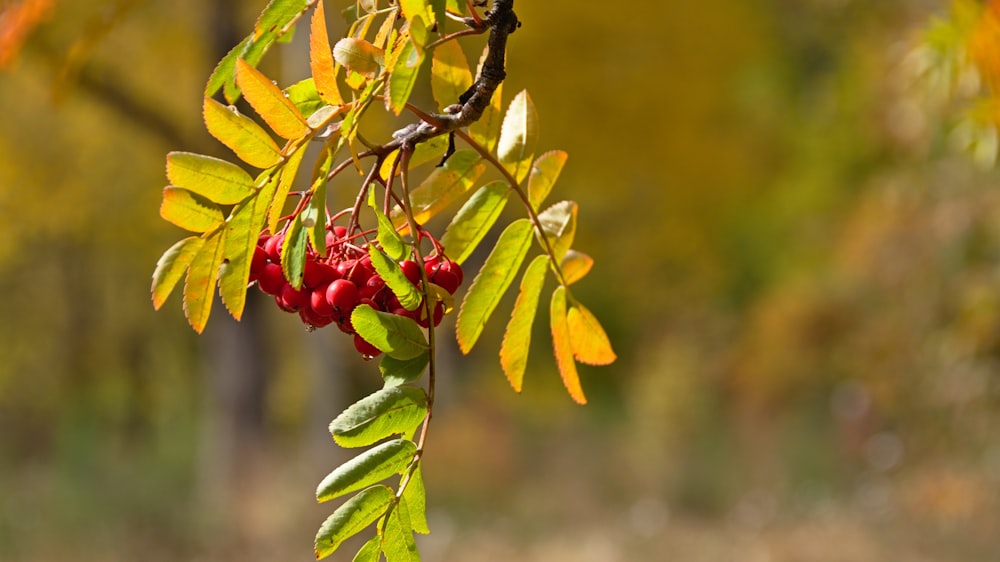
x=333, y=286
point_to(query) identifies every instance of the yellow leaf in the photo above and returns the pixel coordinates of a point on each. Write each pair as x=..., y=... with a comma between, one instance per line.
x=590, y=344
x=321, y=59
x=199, y=288
x=563, y=347
x=189, y=211
x=517, y=337
x=244, y=137
x=575, y=266
x=270, y=103
x=450, y=75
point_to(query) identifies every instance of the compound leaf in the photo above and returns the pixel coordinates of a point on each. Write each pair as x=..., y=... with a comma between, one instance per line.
x=370, y=467
x=390, y=411
x=544, y=173
x=219, y=181
x=244, y=137
x=321, y=59
x=474, y=220
x=190, y=211
x=171, y=267
x=450, y=74
x=199, y=287
x=492, y=282
x=518, y=136
x=270, y=103
x=563, y=346
x=398, y=336
x=352, y=517
x=589, y=341
x=517, y=337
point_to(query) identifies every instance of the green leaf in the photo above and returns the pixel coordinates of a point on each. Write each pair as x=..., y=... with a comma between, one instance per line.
x=293, y=252
x=242, y=232
x=219, y=181
x=402, y=371
x=390, y=241
x=244, y=137
x=288, y=173
x=370, y=467
x=456, y=6
x=304, y=96
x=517, y=337
x=486, y=131
x=450, y=75
x=189, y=211
x=544, y=173
x=171, y=267
x=474, y=220
x=575, y=265
x=403, y=77
x=358, y=55
x=270, y=102
x=314, y=215
x=351, y=518
x=559, y=225
x=371, y=551
x=589, y=341
x=518, y=136
x=390, y=411
x=397, y=539
x=390, y=272
x=492, y=282
x=444, y=186
x=563, y=346
x=398, y=336
x=224, y=74
x=279, y=16
x=199, y=287
x=416, y=502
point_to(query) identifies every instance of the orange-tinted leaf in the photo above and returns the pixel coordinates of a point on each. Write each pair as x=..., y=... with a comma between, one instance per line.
x=216, y=180
x=517, y=337
x=590, y=343
x=199, y=288
x=270, y=103
x=559, y=224
x=575, y=265
x=321, y=59
x=189, y=211
x=171, y=267
x=518, y=136
x=450, y=75
x=544, y=173
x=244, y=137
x=563, y=347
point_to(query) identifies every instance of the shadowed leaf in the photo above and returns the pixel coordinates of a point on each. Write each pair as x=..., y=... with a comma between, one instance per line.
x=390, y=411
x=450, y=75
x=351, y=518
x=370, y=467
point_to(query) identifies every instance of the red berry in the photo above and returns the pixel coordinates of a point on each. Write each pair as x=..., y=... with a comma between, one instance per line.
x=411, y=270
x=342, y=296
x=318, y=302
x=438, y=315
x=258, y=261
x=453, y=268
x=361, y=272
x=310, y=317
x=364, y=348
x=292, y=299
x=340, y=231
x=271, y=280
x=447, y=280
x=273, y=247
x=317, y=273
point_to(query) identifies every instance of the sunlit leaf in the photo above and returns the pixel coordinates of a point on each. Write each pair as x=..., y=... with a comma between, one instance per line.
x=575, y=265
x=450, y=75
x=398, y=336
x=288, y=174
x=244, y=137
x=474, y=220
x=491, y=283
x=456, y=6
x=199, y=287
x=270, y=102
x=559, y=224
x=403, y=77
x=321, y=59
x=352, y=517
x=563, y=346
x=444, y=186
x=390, y=241
x=224, y=73
x=371, y=551
x=430, y=151
x=401, y=371
x=279, y=16
x=242, y=231
x=370, y=467
x=390, y=411
x=517, y=337
x=304, y=96
x=358, y=55
x=416, y=502
x=189, y=211
x=293, y=252
x=171, y=267
x=544, y=173
x=589, y=341
x=214, y=179
x=518, y=136
x=390, y=272
x=397, y=539
x=486, y=131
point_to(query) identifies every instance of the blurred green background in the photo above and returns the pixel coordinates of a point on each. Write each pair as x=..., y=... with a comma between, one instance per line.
x=799, y=273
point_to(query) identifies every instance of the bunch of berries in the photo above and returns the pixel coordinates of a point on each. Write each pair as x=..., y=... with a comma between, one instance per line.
x=333, y=286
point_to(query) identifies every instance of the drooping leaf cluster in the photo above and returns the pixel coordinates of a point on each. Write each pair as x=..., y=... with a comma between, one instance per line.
x=228, y=210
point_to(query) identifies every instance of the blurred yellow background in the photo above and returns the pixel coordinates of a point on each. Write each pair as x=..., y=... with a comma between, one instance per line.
x=798, y=268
